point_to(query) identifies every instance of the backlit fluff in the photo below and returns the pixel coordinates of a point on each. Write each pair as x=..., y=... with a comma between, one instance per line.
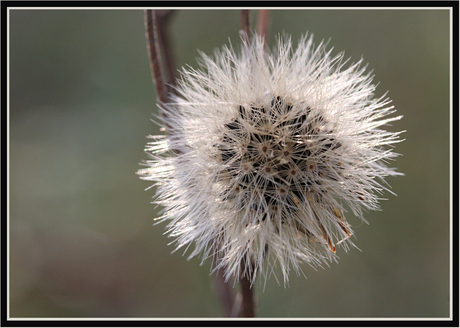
x=266, y=152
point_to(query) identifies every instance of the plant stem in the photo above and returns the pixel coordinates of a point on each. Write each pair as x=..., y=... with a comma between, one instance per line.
x=246, y=24
x=163, y=18
x=262, y=24
x=154, y=54
x=247, y=291
x=246, y=274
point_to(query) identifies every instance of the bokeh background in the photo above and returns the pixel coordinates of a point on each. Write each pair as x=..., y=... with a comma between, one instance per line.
x=82, y=240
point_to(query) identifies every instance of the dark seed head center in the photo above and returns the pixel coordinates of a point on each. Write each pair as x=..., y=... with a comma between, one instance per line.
x=262, y=160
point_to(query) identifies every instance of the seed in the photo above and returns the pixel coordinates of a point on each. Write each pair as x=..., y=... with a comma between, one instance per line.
x=337, y=213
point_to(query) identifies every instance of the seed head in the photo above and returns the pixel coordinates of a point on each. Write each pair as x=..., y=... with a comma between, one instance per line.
x=266, y=151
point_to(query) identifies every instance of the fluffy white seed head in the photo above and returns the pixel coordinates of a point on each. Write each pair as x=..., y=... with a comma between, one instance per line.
x=266, y=150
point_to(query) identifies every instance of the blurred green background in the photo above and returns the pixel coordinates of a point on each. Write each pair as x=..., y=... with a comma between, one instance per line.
x=82, y=240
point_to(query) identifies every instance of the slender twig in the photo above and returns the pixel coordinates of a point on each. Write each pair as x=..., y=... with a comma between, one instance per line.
x=246, y=24
x=246, y=274
x=248, y=306
x=262, y=24
x=154, y=53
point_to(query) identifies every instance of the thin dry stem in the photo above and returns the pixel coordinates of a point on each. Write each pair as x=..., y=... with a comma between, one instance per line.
x=262, y=24
x=248, y=304
x=247, y=292
x=246, y=24
x=154, y=54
